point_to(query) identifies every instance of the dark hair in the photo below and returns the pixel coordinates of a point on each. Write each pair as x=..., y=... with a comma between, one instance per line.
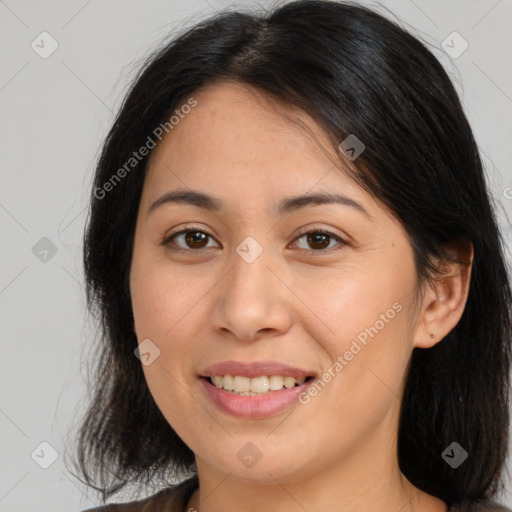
x=354, y=72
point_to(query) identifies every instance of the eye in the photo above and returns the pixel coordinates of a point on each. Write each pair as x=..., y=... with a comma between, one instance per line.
x=192, y=238
x=320, y=241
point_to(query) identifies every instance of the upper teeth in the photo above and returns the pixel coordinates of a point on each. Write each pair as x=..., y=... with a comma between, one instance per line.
x=241, y=384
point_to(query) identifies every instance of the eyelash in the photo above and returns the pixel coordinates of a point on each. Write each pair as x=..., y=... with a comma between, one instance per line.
x=168, y=239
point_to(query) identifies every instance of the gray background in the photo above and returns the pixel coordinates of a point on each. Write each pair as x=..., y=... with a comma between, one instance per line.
x=55, y=113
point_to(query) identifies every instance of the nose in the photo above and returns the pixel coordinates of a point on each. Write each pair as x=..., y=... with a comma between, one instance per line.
x=252, y=300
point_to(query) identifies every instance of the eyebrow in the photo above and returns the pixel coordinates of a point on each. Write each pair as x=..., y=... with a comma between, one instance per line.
x=287, y=205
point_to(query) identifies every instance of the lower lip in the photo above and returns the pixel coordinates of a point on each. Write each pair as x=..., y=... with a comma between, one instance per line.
x=255, y=406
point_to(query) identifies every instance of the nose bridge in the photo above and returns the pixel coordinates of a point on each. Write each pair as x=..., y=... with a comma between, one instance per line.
x=250, y=275
x=252, y=298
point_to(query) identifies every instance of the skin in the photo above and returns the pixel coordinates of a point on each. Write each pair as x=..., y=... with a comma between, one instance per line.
x=208, y=305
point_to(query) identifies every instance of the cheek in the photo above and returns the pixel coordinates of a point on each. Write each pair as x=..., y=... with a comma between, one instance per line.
x=165, y=304
x=359, y=304
x=369, y=340
x=162, y=297
x=161, y=301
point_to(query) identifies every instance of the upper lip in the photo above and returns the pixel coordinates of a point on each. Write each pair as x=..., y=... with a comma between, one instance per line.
x=255, y=369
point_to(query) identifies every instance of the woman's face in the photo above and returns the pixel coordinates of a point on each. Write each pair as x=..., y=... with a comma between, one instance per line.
x=246, y=284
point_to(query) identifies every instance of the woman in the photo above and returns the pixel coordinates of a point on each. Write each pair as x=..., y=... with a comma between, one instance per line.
x=299, y=275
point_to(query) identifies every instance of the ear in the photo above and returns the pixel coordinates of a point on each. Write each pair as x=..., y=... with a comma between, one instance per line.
x=445, y=299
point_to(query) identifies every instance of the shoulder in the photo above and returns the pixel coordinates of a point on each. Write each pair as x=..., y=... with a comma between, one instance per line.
x=479, y=506
x=173, y=499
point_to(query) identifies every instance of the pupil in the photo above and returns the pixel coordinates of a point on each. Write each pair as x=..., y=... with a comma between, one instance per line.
x=317, y=238
x=196, y=236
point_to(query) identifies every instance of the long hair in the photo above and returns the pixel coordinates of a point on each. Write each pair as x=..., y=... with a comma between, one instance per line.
x=354, y=72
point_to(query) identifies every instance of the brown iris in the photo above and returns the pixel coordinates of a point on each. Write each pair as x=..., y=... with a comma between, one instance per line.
x=196, y=237
x=318, y=238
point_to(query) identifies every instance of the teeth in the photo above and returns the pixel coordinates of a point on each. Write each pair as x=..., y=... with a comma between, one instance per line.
x=228, y=383
x=247, y=386
x=289, y=382
x=241, y=383
x=259, y=385
x=276, y=382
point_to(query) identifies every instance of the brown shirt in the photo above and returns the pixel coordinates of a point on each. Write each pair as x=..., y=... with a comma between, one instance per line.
x=175, y=499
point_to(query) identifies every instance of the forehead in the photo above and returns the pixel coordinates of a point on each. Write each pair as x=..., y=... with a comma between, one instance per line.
x=234, y=120
x=238, y=138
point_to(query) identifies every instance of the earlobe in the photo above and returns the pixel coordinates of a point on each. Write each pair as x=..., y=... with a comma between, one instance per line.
x=445, y=298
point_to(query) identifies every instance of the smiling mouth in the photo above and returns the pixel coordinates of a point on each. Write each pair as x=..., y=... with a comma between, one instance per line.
x=246, y=386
